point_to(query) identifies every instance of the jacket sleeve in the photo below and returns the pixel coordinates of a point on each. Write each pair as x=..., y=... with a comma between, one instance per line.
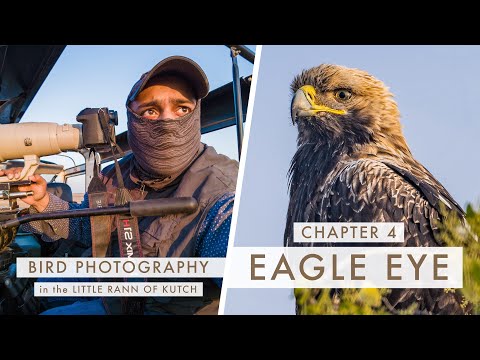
x=53, y=230
x=214, y=232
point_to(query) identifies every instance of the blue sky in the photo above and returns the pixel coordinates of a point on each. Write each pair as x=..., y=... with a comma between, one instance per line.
x=436, y=88
x=98, y=76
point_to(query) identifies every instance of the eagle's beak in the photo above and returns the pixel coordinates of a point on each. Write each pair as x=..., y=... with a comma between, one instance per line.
x=303, y=104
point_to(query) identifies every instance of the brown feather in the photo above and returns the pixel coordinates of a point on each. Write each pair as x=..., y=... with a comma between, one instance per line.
x=358, y=167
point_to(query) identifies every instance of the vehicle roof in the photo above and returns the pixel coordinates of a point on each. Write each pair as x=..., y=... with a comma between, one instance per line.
x=24, y=68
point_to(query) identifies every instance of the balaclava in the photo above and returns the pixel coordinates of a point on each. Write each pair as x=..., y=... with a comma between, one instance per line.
x=164, y=149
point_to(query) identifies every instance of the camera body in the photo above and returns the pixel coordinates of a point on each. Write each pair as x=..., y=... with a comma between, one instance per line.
x=98, y=130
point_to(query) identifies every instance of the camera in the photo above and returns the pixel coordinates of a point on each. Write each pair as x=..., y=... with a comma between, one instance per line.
x=98, y=127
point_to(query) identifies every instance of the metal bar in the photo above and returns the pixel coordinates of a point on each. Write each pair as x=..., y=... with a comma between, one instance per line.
x=88, y=167
x=237, y=99
x=140, y=208
x=244, y=52
x=113, y=210
x=76, y=170
x=2, y=66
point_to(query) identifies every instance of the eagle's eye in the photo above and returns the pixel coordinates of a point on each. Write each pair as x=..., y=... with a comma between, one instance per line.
x=343, y=95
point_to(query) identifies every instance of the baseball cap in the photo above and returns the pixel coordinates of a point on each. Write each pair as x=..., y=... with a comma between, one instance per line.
x=181, y=65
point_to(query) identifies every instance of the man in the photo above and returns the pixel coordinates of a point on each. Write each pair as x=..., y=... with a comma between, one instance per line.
x=168, y=160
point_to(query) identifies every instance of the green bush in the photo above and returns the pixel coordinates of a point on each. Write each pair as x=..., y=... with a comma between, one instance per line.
x=453, y=233
x=369, y=301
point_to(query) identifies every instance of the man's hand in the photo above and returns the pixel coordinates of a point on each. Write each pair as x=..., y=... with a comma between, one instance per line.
x=40, y=199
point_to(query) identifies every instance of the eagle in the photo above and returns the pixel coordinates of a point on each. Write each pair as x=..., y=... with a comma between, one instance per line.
x=353, y=164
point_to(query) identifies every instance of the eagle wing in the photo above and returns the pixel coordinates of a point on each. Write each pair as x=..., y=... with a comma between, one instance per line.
x=368, y=190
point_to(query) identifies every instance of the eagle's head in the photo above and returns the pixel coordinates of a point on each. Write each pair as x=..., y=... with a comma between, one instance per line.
x=335, y=104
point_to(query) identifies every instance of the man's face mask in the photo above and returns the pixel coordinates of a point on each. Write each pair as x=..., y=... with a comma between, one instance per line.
x=164, y=149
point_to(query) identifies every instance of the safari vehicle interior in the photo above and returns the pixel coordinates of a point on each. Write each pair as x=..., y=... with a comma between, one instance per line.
x=23, y=69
